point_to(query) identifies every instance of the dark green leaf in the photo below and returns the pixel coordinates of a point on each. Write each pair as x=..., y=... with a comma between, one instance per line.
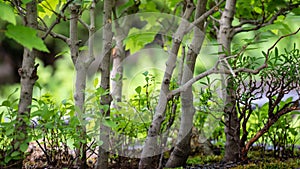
x=138, y=89
x=296, y=11
x=6, y=103
x=15, y=153
x=23, y=146
x=26, y=1
x=145, y=73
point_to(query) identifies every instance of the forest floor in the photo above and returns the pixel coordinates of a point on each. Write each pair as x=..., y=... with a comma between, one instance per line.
x=257, y=160
x=63, y=158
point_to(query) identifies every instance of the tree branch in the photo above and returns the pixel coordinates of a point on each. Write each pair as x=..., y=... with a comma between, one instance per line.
x=57, y=20
x=255, y=71
x=215, y=69
x=258, y=24
x=204, y=16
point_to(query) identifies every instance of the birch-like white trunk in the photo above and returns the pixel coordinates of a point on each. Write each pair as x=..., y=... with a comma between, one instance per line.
x=182, y=149
x=118, y=57
x=81, y=63
x=151, y=147
x=232, y=125
x=103, y=154
x=80, y=81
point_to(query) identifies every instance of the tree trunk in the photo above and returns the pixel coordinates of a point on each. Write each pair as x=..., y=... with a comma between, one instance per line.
x=182, y=149
x=28, y=74
x=103, y=154
x=80, y=82
x=232, y=125
x=151, y=148
x=118, y=55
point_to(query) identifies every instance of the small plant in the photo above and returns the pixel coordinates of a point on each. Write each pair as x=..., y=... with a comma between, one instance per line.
x=8, y=132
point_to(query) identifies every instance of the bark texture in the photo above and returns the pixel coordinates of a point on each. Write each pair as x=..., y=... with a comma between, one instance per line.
x=118, y=55
x=28, y=74
x=80, y=81
x=232, y=125
x=102, y=162
x=151, y=148
x=182, y=149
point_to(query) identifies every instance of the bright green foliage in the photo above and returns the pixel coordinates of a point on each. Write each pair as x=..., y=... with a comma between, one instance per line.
x=137, y=39
x=135, y=116
x=26, y=36
x=47, y=8
x=7, y=13
x=209, y=112
x=8, y=131
x=281, y=77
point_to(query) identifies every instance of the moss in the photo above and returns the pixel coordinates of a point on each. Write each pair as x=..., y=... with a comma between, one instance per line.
x=275, y=164
x=204, y=159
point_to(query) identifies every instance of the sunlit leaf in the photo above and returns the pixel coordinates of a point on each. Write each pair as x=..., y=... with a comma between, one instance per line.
x=137, y=39
x=61, y=53
x=83, y=48
x=26, y=36
x=96, y=82
x=48, y=8
x=7, y=13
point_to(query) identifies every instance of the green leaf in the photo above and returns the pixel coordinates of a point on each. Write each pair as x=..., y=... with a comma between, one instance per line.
x=26, y=36
x=83, y=48
x=7, y=13
x=96, y=82
x=109, y=123
x=47, y=8
x=7, y=159
x=61, y=53
x=9, y=131
x=6, y=103
x=15, y=153
x=137, y=39
x=276, y=52
x=38, y=85
x=296, y=11
x=23, y=146
x=36, y=113
x=145, y=73
x=138, y=89
x=26, y=1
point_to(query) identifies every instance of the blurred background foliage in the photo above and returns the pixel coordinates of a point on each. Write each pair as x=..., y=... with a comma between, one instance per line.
x=143, y=71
